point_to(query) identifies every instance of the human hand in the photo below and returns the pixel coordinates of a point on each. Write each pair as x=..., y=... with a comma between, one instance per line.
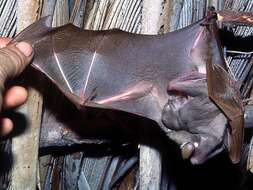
x=13, y=60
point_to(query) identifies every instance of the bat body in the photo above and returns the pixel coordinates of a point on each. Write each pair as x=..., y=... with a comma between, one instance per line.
x=138, y=74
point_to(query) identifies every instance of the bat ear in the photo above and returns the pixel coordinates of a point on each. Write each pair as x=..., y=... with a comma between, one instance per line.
x=35, y=31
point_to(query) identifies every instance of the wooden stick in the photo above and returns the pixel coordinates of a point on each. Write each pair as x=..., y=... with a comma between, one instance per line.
x=150, y=158
x=25, y=146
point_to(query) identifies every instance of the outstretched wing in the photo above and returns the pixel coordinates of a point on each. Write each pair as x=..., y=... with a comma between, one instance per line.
x=223, y=91
x=66, y=64
x=111, y=69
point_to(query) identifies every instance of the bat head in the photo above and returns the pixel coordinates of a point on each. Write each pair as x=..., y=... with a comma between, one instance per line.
x=197, y=124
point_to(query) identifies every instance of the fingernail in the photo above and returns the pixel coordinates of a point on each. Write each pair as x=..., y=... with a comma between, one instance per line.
x=25, y=48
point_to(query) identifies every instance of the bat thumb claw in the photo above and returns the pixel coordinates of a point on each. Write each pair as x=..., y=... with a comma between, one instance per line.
x=187, y=150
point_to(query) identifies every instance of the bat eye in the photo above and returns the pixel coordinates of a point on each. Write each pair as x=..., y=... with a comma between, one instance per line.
x=187, y=150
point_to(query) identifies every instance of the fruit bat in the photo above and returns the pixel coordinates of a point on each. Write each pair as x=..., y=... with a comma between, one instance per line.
x=139, y=74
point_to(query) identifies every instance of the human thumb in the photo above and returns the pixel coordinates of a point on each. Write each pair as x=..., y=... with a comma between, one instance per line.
x=13, y=60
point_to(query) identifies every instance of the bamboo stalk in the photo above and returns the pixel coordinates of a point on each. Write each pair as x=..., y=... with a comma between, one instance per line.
x=61, y=13
x=150, y=158
x=7, y=18
x=25, y=146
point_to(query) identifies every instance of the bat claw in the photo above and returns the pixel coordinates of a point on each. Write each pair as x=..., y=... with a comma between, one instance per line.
x=187, y=150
